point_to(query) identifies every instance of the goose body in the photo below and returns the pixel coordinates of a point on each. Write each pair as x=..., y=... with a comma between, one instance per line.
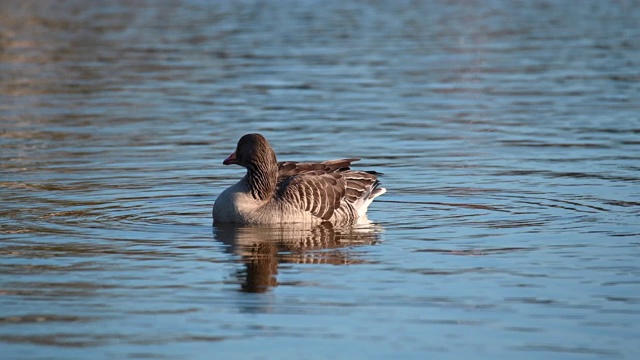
x=275, y=192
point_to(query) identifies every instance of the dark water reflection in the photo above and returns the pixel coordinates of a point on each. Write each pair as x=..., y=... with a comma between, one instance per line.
x=262, y=249
x=507, y=132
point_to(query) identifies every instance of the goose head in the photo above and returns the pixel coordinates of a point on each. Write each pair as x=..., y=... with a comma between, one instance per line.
x=252, y=152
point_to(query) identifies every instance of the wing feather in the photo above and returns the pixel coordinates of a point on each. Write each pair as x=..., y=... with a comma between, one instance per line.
x=287, y=169
x=316, y=192
x=325, y=188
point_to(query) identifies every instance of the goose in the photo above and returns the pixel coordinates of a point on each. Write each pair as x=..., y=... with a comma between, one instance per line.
x=275, y=192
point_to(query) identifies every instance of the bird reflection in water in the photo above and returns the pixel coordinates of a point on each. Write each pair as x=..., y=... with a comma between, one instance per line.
x=263, y=248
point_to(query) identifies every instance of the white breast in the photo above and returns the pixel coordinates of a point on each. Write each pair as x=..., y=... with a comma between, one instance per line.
x=235, y=204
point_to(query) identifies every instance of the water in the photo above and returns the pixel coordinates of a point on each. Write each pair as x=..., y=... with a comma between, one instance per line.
x=507, y=132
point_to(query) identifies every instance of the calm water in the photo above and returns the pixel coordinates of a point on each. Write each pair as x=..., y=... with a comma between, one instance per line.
x=507, y=132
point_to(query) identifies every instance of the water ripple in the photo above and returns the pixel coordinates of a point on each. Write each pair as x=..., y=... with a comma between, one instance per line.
x=507, y=135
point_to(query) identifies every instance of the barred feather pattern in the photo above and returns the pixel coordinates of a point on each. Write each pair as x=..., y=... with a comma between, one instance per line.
x=329, y=190
x=289, y=191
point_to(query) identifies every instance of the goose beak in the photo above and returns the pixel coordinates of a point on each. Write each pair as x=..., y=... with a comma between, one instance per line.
x=230, y=160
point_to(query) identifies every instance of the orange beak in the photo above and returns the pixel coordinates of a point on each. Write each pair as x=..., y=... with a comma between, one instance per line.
x=230, y=160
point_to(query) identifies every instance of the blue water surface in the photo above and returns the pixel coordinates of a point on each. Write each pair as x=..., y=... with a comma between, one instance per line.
x=507, y=133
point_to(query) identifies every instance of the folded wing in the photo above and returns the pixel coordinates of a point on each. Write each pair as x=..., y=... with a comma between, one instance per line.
x=326, y=188
x=290, y=168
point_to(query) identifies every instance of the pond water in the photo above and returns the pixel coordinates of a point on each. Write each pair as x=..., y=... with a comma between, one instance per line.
x=507, y=133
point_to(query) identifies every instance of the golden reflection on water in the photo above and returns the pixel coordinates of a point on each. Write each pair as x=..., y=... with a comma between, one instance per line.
x=262, y=249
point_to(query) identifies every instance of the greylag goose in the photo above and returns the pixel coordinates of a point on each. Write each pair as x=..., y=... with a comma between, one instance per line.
x=275, y=192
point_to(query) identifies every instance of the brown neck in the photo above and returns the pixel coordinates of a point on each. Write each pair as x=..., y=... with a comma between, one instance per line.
x=262, y=178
